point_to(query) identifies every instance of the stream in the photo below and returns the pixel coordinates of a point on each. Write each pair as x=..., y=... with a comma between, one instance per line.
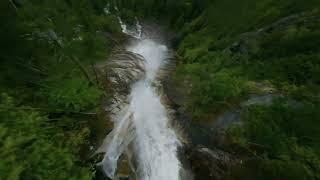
x=143, y=126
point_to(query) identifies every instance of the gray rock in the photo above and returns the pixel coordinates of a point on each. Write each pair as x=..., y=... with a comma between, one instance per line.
x=121, y=70
x=295, y=104
x=228, y=118
x=211, y=164
x=266, y=99
x=49, y=35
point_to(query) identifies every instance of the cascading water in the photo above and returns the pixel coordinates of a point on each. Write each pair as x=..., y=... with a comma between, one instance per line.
x=137, y=32
x=144, y=121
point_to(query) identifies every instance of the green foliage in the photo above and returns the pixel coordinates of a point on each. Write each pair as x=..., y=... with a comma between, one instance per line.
x=282, y=141
x=48, y=48
x=211, y=86
x=31, y=147
x=287, y=56
x=72, y=94
x=211, y=94
x=46, y=57
x=270, y=169
x=168, y=11
x=286, y=137
x=107, y=24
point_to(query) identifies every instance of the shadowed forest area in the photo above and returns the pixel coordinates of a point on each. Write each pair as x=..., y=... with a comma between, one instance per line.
x=49, y=94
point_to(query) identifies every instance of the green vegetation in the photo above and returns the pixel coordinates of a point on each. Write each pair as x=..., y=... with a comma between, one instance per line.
x=227, y=50
x=49, y=94
x=284, y=139
x=35, y=146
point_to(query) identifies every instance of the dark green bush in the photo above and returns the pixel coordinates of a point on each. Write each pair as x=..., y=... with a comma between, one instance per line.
x=287, y=137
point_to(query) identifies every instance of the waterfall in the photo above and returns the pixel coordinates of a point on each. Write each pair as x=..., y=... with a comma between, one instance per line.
x=144, y=121
x=136, y=32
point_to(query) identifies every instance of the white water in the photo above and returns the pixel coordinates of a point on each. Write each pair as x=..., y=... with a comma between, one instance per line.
x=144, y=121
x=136, y=32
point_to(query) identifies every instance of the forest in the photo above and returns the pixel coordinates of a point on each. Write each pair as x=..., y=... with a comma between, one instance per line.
x=225, y=50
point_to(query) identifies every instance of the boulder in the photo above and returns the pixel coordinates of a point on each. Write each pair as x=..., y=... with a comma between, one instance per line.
x=121, y=70
x=210, y=164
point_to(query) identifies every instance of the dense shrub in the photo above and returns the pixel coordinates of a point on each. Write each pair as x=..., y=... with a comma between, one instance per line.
x=284, y=136
x=33, y=148
x=47, y=85
x=212, y=93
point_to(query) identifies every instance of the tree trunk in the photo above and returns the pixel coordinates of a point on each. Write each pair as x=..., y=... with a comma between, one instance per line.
x=82, y=68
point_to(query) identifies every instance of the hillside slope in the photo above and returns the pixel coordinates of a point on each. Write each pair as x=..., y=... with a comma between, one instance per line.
x=258, y=59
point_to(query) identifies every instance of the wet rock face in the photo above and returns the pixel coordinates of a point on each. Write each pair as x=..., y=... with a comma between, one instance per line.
x=124, y=69
x=121, y=70
x=210, y=164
